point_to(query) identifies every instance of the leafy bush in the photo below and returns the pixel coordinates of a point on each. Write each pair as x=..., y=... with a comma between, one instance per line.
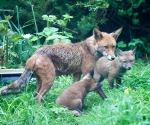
x=107, y=15
x=19, y=46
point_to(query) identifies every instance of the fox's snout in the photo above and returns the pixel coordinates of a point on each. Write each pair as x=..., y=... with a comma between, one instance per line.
x=113, y=57
x=128, y=67
x=109, y=57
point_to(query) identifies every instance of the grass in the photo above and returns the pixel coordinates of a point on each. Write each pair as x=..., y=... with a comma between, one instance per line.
x=119, y=109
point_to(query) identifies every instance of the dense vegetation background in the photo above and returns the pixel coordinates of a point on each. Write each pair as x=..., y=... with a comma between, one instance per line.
x=107, y=15
x=26, y=25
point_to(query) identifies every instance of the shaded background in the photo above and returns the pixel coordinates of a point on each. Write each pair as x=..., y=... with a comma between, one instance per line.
x=108, y=16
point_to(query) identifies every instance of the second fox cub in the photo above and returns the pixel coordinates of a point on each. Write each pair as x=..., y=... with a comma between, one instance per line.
x=73, y=96
x=114, y=69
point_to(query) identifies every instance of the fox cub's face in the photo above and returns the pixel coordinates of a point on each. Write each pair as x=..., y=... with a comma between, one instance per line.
x=126, y=58
x=106, y=43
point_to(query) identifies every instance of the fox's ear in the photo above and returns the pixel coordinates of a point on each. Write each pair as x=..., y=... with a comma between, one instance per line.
x=117, y=33
x=133, y=51
x=118, y=52
x=97, y=34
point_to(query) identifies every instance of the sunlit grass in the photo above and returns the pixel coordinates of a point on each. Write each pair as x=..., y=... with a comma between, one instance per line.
x=121, y=107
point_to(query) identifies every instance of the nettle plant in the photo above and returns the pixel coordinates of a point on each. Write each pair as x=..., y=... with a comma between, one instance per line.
x=52, y=34
x=19, y=47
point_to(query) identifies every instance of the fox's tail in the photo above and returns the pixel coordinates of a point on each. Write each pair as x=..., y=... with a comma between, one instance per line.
x=18, y=85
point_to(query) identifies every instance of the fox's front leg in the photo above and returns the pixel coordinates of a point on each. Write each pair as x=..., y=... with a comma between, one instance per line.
x=111, y=81
x=76, y=76
x=118, y=80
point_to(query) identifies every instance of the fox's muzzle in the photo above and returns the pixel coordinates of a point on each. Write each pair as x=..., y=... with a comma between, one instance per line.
x=113, y=57
x=109, y=57
x=128, y=68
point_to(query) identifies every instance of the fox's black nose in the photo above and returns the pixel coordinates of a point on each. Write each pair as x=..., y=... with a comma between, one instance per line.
x=112, y=58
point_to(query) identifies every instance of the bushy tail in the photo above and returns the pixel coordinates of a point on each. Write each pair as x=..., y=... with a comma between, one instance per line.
x=18, y=85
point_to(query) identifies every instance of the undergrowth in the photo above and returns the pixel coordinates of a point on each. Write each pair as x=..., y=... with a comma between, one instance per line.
x=126, y=105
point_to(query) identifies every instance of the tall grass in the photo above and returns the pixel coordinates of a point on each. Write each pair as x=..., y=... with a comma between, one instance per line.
x=119, y=109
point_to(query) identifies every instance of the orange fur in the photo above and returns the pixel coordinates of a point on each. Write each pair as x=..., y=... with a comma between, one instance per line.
x=54, y=60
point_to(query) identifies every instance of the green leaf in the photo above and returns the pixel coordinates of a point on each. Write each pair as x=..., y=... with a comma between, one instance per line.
x=56, y=40
x=13, y=54
x=65, y=40
x=49, y=30
x=56, y=36
x=121, y=44
x=61, y=23
x=7, y=17
x=34, y=38
x=40, y=34
x=15, y=37
x=68, y=34
x=3, y=27
x=45, y=17
x=36, y=47
x=67, y=17
x=135, y=42
x=135, y=21
x=27, y=36
x=50, y=18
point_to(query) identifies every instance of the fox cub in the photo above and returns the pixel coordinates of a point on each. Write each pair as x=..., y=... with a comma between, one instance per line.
x=73, y=96
x=114, y=69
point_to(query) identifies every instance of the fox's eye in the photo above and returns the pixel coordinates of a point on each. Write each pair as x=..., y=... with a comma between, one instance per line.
x=106, y=47
x=124, y=61
x=114, y=46
x=131, y=60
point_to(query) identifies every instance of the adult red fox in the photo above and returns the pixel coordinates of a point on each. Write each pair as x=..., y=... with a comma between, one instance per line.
x=54, y=60
x=114, y=69
x=73, y=96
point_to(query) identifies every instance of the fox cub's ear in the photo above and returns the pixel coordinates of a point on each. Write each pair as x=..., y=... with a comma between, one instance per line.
x=97, y=34
x=118, y=52
x=133, y=51
x=117, y=33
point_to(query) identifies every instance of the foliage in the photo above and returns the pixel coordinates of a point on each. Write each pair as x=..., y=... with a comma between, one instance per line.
x=120, y=7
x=141, y=45
x=132, y=15
x=108, y=15
x=21, y=46
x=120, y=108
x=121, y=45
x=16, y=47
x=51, y=33
x=95, y=4
x=90, y=23
x=4, y=31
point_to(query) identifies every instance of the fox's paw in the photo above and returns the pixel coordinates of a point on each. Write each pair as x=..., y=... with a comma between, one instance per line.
x=76, y=113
